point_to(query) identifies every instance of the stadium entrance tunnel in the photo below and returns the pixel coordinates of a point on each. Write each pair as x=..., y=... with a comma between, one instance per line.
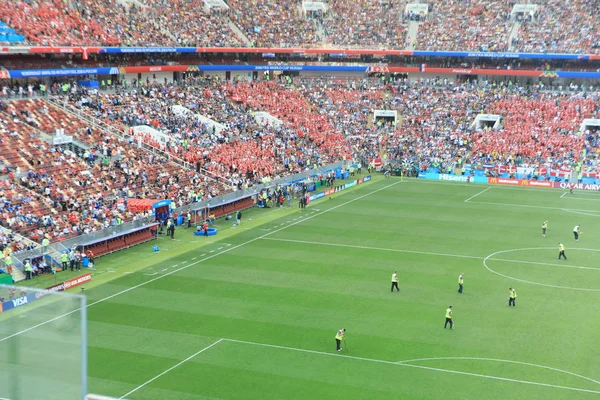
x=540, y=266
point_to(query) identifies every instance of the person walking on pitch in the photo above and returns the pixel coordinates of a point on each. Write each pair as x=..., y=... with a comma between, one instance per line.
x=395, y=281
x=461, y=279
x=544, y=228
x=449, y=318
x=338, y=339
x=576, y=232
x=512, y=297
x=561, y=251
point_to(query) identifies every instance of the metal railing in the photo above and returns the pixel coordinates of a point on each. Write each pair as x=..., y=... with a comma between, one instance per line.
x=102, y=125
x=58, y=247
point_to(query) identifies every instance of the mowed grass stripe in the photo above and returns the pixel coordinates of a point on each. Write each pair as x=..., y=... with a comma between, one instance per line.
x=287, y=370
x=296, y=295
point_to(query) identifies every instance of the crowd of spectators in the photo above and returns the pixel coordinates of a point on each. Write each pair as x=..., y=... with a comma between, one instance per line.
x=559, y=27
x=53, y=191
x=56, y=192
x=114, y=23
x=55, y=23
x=473, y=25
x=365, y=23
x=243, y=153
x=278, y=23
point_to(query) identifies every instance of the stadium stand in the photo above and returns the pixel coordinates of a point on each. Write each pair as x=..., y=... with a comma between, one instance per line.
x=280, y=23
x=560, y=27
x=480, y=25
x=477, y=25
x=365, y=23
x=91, y=192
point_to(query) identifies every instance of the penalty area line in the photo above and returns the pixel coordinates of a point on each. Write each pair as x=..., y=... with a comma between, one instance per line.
x=400, y=364
x=170, y=369
x=482, y=192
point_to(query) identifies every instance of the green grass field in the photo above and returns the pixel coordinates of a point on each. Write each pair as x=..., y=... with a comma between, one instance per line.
x=253, y=313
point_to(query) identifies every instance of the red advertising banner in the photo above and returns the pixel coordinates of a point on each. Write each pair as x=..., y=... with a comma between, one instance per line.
x=80, y=280
x=520, y=182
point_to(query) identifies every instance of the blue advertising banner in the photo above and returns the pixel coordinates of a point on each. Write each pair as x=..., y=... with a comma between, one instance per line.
x=148, y=50
x=36, y=73
x=21, y=301
x=486, y=54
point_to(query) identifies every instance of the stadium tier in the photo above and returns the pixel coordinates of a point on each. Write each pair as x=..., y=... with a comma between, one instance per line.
x=214, y=128
x=547, y=26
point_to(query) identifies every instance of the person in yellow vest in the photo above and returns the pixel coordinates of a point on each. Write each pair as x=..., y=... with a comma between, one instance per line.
x=64, y=259
x=338, y=339
x=544, y=228
x=561, y=251
x=576, y=232
x=461, y=280
x=449, y=318
x=45, y=244
x=395, y=281
x=8, y=262
x=512, y=297
x=28, y=270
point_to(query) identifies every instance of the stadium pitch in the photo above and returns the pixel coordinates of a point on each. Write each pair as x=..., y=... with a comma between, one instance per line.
x=253, y=315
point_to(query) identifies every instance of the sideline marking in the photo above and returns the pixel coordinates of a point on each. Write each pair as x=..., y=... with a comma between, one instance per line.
x=482, y=192
x=228, y=249
x=401, y=364
x=500, y=360
x=579, y=212
x=490, y=257
x=529, y=206
x=577, y=198
x=171, y=369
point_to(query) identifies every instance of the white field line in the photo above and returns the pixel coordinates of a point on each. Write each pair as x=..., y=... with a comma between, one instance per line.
x=530, y=206
x=562, y=195
x=581, y=213
x=171, y=369
x=482, y=192
x=464, y=184
x=228, y=249
x=428, y=253
x=579, y=198
x=491, y=256
x=449, y=371
x=501, y=361
x=373, y=248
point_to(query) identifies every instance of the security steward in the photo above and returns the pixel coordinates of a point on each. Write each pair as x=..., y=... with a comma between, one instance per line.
x=449, y=318
x=395, y=281
x=338, y=339
x=512, y=297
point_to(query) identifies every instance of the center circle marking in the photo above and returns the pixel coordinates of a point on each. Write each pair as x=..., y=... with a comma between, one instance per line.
x=491, y=256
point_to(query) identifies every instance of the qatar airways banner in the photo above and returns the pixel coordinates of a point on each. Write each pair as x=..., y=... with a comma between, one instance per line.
x=576, y=186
